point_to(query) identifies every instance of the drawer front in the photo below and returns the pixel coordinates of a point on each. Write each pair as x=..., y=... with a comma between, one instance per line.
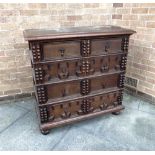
x=72, y=69
x=78, y=88
x=106, y=46
x=61, y=50
x=42, y=51
x=72, y=109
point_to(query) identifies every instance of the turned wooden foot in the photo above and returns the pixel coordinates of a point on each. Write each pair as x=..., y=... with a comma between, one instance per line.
x=116, y=113
x=45, y=132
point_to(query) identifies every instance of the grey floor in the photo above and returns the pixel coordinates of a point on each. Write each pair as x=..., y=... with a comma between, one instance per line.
x=133, y=129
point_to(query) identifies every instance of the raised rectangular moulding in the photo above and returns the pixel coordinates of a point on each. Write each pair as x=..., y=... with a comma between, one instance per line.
x=77, y=87
x=58, y=50
x=70, y=69
x=78, y=72
x=51, y=50
x=67, y=110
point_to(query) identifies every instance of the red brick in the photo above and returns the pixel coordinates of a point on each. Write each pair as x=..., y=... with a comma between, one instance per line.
x=26, y=90
x=2, y=54
x=123, y=11
x=74, y=17
x=116, y=5
x=151, y=69
x=150, y=74
x=139, y=10
x=37, y=5
x=151, y=80
x=150, y=91
x=152, y=10
x=29, y=12
x=67, y=24
x=141, y=77
x=146, y=84
x=75, y=5
x=3, y=19
x=140, y=66
x=116, y=16
x=150, y=24
x=9, y=92
x=130, y=17
x=147, y=17
x=146, y=4
x=91, y=5
x=8, y=13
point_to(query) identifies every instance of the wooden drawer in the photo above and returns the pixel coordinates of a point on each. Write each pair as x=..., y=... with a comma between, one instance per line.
x=46, y=51
x=107, y=46
x=77, y=88
x=54, y=50
x=58, y=50
x=74, y=69
x=79, y=107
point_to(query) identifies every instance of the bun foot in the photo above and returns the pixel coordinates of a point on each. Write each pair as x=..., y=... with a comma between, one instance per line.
x=45, y=132
x=116, y=113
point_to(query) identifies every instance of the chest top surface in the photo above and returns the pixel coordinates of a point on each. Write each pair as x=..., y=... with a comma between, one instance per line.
x=74, y=32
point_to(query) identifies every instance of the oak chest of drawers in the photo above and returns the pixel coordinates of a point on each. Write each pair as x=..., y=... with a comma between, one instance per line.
x=78, y=72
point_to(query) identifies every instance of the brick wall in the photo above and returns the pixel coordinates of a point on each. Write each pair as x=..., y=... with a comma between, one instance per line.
x=141, y=58
x=15, y=70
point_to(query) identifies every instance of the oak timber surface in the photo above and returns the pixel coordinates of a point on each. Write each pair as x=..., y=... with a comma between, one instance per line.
x=78, y=72
x=87, y=31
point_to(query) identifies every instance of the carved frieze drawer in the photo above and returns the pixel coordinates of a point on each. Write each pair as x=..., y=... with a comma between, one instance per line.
x=79, y=107
x=73, y=69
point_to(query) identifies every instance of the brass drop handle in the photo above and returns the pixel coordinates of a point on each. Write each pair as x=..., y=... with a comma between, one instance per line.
x=107, y=46
x=104, y=68
x=62, y=51
x=103, y=85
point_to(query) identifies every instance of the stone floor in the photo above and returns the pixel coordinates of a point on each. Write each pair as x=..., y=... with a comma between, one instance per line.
x=133, y=129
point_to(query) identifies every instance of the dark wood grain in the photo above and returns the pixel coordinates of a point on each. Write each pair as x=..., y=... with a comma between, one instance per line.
x=78, y=73
x=69, y=70
x=87, y=31
x=50, y=125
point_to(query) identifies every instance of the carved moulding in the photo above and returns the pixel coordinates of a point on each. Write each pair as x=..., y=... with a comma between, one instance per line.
x=84, y=67
x=125, y=44
x=42, y=94
x=35, y=47
x=85, y=48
